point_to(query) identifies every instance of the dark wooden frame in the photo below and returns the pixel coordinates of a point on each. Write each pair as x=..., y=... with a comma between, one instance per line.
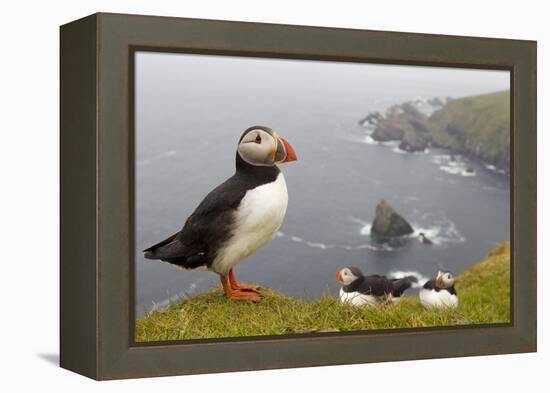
x=97, y=195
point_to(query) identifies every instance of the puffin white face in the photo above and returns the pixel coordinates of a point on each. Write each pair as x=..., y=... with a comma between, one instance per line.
x=444, y=280
x=348, y=275
x=261, y=146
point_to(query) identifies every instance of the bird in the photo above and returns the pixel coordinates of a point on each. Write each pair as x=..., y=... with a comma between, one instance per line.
x=439, y=292
x=371, y=290
x=423, y=239
x=237, y=217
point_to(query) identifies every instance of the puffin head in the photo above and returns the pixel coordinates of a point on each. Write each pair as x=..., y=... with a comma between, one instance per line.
x=261, y=146
x=444, y=279
x=348, y=275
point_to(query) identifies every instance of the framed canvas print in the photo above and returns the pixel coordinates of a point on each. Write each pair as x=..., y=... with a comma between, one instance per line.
x=242, y=196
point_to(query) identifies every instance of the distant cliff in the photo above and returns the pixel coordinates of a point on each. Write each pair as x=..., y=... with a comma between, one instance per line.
x=477, y=126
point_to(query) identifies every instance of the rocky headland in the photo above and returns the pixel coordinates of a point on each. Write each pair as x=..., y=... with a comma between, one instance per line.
x=477, y=126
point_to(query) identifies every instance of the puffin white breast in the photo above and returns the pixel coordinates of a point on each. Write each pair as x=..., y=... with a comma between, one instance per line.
x=257, y=220
x=431, y=298
x=358, y=298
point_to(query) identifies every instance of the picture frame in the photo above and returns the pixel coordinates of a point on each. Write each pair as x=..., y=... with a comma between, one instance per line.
x=97, y=206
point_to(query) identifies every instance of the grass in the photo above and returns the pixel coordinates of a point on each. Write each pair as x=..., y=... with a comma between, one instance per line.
x=484, y=293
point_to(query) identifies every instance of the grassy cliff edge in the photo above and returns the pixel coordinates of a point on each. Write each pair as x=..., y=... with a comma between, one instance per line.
x=484, y=293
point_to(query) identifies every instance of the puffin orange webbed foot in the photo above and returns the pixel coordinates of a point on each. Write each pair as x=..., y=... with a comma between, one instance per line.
x=242, y=287
x=244, y=295
x=248, y=288
x=238, y=294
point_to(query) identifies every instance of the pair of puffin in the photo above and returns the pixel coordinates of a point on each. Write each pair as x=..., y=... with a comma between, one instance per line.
x=361, y=290
x=236, y=218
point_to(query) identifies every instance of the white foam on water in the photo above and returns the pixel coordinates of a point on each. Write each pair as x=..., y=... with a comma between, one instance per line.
x=393, y=144
x=457, y=170
x=317, y=245
x=372, y=247
x=440, y=230
x=370, y=141
x=400, y=274
x=311, y=244
x=365, y=229
x=440, y=158
x=454, y=166
x=494, y=169
x=397, y=150
x=158, y=157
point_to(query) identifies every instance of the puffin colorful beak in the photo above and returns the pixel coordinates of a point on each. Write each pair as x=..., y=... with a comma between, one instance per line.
x=288, y=153
x=438, y=281
x=338, y=277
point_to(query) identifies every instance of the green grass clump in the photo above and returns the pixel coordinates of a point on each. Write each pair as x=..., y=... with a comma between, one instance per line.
x=484, y=293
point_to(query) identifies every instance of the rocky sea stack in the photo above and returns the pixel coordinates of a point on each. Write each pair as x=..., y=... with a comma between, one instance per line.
x=388, y=224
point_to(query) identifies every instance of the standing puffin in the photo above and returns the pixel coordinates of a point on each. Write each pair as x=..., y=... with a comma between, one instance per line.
x=370, y=290
x=439, y=292
x=237, y=217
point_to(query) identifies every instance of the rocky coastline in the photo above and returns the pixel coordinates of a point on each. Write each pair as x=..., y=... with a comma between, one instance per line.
x=477, y=127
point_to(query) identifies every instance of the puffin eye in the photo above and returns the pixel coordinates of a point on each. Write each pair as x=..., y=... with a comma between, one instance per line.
x=258, y=139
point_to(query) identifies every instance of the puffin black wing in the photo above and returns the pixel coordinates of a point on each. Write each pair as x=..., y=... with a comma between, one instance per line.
x=381, y=286
x=375, y=285
x=210, y=225
x=400, y=285
x=204, y=231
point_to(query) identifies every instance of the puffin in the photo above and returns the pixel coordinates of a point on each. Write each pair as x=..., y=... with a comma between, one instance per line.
x=439, y=292
x=237, y=217
x=423, y=239
x=359, y=290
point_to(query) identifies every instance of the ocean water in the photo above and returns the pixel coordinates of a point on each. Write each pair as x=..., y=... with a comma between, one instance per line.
x=191, y=110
